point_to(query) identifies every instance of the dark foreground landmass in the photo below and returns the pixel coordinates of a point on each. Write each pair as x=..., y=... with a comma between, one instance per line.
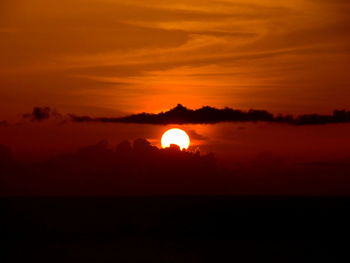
x=175, y=229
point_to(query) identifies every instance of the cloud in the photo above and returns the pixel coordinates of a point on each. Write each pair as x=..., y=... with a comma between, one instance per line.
x=140, y=157
x=41, y=114
x=296, y=49
x=137, y=168
x=206, y=114
x=338, y=116
x=130, y=167
x=196, y=136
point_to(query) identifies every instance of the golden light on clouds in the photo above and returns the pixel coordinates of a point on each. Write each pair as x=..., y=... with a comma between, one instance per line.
x=112, y=56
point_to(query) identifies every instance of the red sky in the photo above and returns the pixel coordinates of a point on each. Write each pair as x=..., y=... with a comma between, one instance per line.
x=108, y=57
x=231, y=143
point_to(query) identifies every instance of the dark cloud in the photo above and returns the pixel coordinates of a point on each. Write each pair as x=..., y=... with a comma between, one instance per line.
x=139, y=158
x=206, y=115
x=138, y=168
x=42, y=113
x=338, y=116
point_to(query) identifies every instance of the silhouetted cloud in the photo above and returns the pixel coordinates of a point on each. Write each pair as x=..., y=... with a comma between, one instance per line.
x=138, y=168
x=130, y=167
x=206, y=115
x=338, y=116
x=140, y=157
x=42, y=113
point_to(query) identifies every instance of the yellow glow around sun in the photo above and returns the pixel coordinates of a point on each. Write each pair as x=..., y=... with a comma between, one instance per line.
x=175, y=136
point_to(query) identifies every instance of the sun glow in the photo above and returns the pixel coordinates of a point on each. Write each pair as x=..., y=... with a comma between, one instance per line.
x=175, y=136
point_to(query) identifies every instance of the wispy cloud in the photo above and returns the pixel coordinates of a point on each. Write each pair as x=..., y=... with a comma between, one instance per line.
x=219, y=52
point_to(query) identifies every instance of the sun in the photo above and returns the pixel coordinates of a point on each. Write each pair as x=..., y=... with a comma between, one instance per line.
x=175, y=136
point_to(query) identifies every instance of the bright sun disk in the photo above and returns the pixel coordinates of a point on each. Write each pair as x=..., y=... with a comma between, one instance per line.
x=175, y=136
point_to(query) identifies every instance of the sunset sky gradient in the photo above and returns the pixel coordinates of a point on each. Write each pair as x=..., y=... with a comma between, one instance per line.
x=112, y=57
x=174, y=130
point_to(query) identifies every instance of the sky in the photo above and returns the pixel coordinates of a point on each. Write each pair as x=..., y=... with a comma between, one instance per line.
x=113, y=57
x=253, y=158
x=104, y=59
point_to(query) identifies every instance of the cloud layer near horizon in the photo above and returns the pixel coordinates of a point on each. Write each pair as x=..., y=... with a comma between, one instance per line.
x=109, y=56
x=204, y=115
x=142, y=169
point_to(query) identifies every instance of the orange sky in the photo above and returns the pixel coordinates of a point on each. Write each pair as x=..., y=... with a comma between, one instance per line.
x=109, y=57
